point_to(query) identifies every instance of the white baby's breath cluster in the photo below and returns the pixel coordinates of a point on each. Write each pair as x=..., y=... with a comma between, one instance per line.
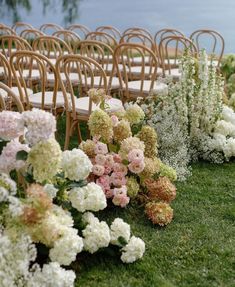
x=40, y=125
x=186, y=116
x=133, y=251
x=96, y=234
x=90, y=197
x=76, y=164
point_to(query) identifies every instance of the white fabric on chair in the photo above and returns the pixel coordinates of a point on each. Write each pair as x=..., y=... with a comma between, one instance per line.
x=114, y=85
x=134, y=86
x=82, y=105
x=36, y=99
x=73, y=78
x=16, y=91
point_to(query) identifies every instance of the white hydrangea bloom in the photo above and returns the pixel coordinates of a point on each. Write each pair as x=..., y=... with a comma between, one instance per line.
x=133, y=250
x=15, y=260
x=119, y=228
x=52, y=275
x=50, y=190
x=89, y=218
x=3, y=194
x=228, y=115
x=76, y=164
x=96, y=235
x=66, y=247
x=40, y=125
x=225, y=128
x=90, y=197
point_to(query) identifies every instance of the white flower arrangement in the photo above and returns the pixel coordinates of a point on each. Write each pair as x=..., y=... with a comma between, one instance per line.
x=76, y=164
x=96, y=235
x=90, y=197
x=133, y=250
x=119, y=229
x=67, y=247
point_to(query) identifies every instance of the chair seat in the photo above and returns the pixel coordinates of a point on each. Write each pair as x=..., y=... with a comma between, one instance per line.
x=2, y=72
x=139, y=60
x=175, y=73
x=36, y=100
x=35, y=74
x=115, y=84
x=134, y=87
x=15, y=91
x=137, y=70
x=73, y=78
x=82, y=105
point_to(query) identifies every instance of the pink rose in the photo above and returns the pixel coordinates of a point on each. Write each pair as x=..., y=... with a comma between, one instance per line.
x=98, y=169
x=119, y=167
x=121, y=200
x=117, y=158
x=120, y=191
x=109, y=161
x=107, y=170
x=136, y=166
x=114, y=120
x=136, y=154
x=118, y=179
x=101, y=148
x=108, y=193
x=100, y=159
x=104, y=182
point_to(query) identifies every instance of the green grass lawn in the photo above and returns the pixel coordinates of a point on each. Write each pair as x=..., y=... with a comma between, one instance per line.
x=196, y=249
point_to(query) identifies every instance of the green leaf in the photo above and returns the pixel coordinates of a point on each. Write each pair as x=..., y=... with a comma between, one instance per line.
x=125, y=162
x=21, y=155
x=77, y=184
x=112, y=147
x=122, y=241
x=2, y=145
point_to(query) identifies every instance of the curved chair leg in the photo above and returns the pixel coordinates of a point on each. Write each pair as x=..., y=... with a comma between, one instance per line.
x=68, y=131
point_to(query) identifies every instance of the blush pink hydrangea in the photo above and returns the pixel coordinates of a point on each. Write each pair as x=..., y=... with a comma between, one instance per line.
x=101, y=148
x=98, y=169
x=118, y=179
x=11, y=125
x=135, y=155
x=136, y=166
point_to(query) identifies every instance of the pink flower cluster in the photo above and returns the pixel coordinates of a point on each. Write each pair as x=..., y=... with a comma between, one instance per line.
x=136, y=159
x=110, y=174
x=11, y=125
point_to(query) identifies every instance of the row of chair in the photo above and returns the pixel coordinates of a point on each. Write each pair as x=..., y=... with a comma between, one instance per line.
x=113, y=36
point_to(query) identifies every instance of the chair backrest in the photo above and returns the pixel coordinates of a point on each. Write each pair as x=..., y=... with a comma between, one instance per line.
x=50, y=46
x=140, y=38
x=81, y=30
x=18, y=64
x=5, y=30
x=110, y=30
x=210, y=40
x=6, y=102
x=12, y=43
x=49, y=28
x=164, y=33
x=70, y=37
x=102, y=37
x=171, y=48
x=100, y=52
x=19, y=26
x=5, y=64
x=138, y=30
x=87, y=69
x=30, y=34
x=124, y=55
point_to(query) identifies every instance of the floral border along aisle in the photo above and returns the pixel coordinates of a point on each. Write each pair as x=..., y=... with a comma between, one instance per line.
x=46, y=206
x=190, y=118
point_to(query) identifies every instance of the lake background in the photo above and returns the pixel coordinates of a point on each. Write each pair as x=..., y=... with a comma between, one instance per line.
x=185, y=15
